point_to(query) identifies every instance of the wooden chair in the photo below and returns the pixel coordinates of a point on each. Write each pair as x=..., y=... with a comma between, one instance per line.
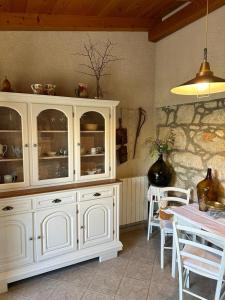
x=166, y=226
x=204, y=260
x=153, y=200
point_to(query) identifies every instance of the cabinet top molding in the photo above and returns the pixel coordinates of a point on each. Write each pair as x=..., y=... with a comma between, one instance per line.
x=56, y=188
x=34, y=98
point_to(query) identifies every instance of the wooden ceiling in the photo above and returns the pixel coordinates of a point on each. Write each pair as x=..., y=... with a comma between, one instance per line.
x=104, y=15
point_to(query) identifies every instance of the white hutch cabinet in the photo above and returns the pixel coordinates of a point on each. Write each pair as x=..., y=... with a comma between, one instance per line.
x=59, y=199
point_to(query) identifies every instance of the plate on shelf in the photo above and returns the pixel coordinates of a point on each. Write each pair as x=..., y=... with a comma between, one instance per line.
x=90, y=126
x=91, y=172
x=51, y=153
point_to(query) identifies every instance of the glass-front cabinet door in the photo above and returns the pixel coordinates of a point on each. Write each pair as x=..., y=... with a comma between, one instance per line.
x=14, y=168
x=52, y=145
x=92, y=135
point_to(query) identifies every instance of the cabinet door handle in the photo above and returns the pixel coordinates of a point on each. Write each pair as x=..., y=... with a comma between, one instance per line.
x=7, y=208
x=26, y=145
x=82, y=227
x=35, y=145
x=97, y=194
x=56, y=201
x=39, y=237
x=30, y=239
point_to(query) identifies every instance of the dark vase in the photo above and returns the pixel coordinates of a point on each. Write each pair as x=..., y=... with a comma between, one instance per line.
x=206, y=191
x=159, y=173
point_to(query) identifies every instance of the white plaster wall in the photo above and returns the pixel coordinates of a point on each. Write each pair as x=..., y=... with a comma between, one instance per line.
x=179, y=55
x=47, y=57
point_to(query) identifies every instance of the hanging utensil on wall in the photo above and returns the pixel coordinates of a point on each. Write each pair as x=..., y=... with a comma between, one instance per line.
x=121, y=139
x=122, y=154
x=121, y=133
x=141, y=121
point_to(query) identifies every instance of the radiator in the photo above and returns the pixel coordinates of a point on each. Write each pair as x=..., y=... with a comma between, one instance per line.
x=133, y=201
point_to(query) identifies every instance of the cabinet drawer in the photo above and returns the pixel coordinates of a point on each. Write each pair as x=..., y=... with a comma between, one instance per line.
x=95, y=193
x=8, y=207
x=53, y=200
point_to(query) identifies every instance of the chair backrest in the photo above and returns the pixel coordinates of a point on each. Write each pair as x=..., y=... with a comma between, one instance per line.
x=183, y=195
x=182, y=238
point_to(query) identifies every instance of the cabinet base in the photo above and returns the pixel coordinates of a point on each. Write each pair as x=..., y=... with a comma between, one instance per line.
x=108, y=256
x=104, y=252
x=3, y=286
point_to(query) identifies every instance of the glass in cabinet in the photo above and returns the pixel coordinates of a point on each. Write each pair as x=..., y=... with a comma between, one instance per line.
x=93, y=142
x=52, y=146
x=14, y=168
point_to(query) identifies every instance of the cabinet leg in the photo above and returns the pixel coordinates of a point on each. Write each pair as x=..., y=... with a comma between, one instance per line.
x=107, y=256
x=3, y=286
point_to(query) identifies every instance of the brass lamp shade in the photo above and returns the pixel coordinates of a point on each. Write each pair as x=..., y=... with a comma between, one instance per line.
x=204, y=83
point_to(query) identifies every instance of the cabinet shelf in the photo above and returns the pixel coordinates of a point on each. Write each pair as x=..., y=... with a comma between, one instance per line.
x=52, y=131
x=9, y=131
x=53, y=157
x=91, y=155
x=92, y=131
x=10, y=159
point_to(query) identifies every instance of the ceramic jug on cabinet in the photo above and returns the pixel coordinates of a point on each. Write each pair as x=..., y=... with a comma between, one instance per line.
x=3, y=149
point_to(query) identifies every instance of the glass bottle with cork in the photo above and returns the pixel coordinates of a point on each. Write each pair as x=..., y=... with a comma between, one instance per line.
x=206, y=191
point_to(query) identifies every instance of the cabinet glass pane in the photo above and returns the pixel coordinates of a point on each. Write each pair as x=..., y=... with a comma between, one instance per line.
x=53, y=153
x=92, y=146
x=11, y=149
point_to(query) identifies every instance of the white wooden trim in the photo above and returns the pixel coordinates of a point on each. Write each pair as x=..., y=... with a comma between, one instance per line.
x=21, y=108
x=36, y=109
x=34, y=98
x=112, y=143
x=105, y=112
x=201, y=246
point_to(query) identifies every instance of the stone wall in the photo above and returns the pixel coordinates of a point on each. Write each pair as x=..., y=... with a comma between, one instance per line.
x=199, y=143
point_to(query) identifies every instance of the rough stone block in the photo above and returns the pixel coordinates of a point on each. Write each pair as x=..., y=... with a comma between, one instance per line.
x=215, y=117
x=185, y=114
x=188, y=160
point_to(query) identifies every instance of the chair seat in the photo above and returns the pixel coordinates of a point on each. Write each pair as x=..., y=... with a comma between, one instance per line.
x=198, y=265
x=167, y=225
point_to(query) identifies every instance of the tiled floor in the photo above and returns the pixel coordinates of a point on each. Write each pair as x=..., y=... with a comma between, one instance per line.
x=135, y=274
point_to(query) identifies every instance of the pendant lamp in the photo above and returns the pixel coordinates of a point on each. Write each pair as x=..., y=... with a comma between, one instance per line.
x=205, y=83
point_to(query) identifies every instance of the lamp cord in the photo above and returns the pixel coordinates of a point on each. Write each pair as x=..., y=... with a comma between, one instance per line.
x=206, y=30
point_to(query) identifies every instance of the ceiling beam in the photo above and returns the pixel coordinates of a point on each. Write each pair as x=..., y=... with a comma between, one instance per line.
x=20, y=21
x=191, y=13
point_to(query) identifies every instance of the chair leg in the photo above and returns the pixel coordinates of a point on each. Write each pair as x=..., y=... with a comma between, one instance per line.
x=149, y=224
x=150, y=214
x=218, y=289
x=162, y=249
x=180, y=285
x=174, y=257
x=187, y=279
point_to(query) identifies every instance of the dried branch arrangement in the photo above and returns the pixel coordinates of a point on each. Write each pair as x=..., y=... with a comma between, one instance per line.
x=99, y=59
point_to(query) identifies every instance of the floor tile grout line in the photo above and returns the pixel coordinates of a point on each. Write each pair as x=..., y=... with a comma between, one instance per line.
x=83, y=294
x=150, y=281
x=122, y=277
x=97, y=292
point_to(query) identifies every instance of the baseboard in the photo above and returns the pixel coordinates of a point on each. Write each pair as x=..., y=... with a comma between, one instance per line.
x=133, y=226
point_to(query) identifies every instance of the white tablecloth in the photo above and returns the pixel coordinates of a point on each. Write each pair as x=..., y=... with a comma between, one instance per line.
x=204, y=220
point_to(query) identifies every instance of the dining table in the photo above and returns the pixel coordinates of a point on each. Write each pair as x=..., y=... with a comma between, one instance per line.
x=190, y=214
